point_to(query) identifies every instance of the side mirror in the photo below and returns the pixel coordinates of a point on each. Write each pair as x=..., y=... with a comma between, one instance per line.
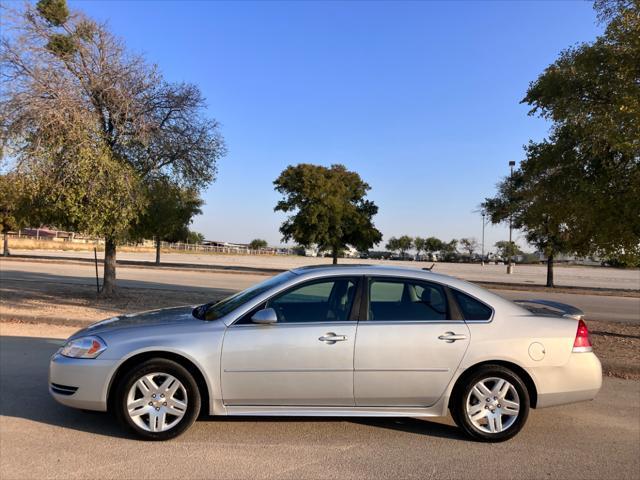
x=266, y=316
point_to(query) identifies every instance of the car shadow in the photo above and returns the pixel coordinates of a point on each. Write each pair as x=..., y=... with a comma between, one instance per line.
x=429, y=428
x=24, y=394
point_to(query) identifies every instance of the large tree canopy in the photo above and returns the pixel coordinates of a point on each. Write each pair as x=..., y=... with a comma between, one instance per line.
x=591, y=162
x=89, y=124
x=578, y=191
x=327, y=207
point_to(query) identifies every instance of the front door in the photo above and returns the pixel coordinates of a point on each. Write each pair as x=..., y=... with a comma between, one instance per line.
x=306, y=358
x=406, y=354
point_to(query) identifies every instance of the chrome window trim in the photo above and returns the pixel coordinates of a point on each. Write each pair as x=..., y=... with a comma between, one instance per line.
x=284, y=324
x=411, y=322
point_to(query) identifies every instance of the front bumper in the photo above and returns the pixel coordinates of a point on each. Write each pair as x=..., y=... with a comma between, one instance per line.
x=578, y=380
x=80, y=383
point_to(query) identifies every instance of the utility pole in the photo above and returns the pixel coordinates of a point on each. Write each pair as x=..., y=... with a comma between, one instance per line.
x=510, y=263
x=483, y=224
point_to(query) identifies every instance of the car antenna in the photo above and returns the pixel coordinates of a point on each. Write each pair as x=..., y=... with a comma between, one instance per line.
x=428, y=269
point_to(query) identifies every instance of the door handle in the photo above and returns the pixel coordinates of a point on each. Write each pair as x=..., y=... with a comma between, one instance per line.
x=331, y=338
x=451, y=337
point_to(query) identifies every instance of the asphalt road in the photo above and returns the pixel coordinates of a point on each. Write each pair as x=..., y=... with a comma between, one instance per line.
x=596, y=307
x=41, y=439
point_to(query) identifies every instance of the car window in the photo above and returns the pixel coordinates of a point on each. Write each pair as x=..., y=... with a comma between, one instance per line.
x=387, y=291
x=215, y=310
x=406, y=300
x=472, y=309
x=317, y=301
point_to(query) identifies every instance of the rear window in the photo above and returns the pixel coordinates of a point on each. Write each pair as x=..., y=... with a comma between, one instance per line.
x=472, y=309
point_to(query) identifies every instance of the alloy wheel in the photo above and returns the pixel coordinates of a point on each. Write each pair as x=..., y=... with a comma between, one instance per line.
x=156, y=402
x=492, y=405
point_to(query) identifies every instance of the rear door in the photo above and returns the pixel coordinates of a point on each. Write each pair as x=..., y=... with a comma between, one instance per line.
x=409, y=344
x=306, y=358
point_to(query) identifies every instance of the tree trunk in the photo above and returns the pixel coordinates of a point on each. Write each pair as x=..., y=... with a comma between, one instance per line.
x=109, y=280
x=550, y=271
x=5, y=248
x=334, y=254
x=157, y=250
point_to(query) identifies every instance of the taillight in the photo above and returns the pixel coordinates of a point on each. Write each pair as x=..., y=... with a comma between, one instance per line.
x=582, y=343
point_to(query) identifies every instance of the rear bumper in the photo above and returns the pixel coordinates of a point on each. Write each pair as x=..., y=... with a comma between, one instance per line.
x=80, y=383
x=578, y=380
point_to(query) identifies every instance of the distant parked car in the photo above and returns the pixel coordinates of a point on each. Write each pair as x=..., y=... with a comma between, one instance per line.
x=333, y=341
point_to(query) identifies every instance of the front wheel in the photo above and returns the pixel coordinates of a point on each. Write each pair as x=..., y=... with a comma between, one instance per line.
x=492, y=405
x=158, y=399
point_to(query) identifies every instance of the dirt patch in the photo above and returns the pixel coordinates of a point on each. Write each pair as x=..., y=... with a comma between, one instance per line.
x=79, y=304
x=618, y=347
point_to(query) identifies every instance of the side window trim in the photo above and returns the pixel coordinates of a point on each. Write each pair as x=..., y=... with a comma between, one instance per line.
x=453, y=309
x=265, y=303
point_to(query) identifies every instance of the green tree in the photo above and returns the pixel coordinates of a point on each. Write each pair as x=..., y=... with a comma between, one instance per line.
x=433, y=245
x=590, y=164
x=536, y=203
x=91, y=125
x=470, y=245
x=258, y=244
x=392, y=245
x=169, y=212
x=327, y=207
x=579, y=190
x=195, y=237
x=12, y=207
x=420, y=244
x=405, y=243
x=449, y=250
x=506, y=249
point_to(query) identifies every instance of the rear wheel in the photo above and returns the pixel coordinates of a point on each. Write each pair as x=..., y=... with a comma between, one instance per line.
x=158, y=399
x=492, y=404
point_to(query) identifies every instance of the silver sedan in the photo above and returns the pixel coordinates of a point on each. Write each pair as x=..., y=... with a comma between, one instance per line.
x=334, y=341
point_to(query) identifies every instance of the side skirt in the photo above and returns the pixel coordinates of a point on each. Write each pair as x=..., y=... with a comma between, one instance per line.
x=266, y=411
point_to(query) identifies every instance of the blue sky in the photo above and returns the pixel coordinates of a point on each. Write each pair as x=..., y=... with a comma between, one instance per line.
x=420, y=98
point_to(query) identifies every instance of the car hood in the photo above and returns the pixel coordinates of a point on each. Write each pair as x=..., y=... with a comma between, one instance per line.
x=152, y=318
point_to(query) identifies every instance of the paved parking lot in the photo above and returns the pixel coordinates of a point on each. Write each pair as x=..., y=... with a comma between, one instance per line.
x=41, y=439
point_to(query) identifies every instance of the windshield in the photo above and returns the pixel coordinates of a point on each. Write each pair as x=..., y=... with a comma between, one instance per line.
x=215, y=310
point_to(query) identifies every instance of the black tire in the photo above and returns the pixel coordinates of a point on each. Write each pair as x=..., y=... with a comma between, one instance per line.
x=162, y=366
x=463, y=390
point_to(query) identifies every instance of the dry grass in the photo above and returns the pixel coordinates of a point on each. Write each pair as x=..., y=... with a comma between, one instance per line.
x=56, y=246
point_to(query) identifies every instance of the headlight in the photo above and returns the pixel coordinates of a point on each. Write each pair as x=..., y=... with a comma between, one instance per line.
x=85, y=347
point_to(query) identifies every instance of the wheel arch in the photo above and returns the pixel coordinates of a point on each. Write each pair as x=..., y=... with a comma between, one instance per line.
x=137, y=358
x=521, y=372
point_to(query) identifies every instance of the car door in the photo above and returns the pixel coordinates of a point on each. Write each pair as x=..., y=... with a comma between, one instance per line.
x=408, y=346
x=306, y=358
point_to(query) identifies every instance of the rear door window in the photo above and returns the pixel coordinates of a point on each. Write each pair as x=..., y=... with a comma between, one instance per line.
x=406, y=300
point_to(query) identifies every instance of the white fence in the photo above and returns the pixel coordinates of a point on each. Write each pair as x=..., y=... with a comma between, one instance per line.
x=59, y=237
